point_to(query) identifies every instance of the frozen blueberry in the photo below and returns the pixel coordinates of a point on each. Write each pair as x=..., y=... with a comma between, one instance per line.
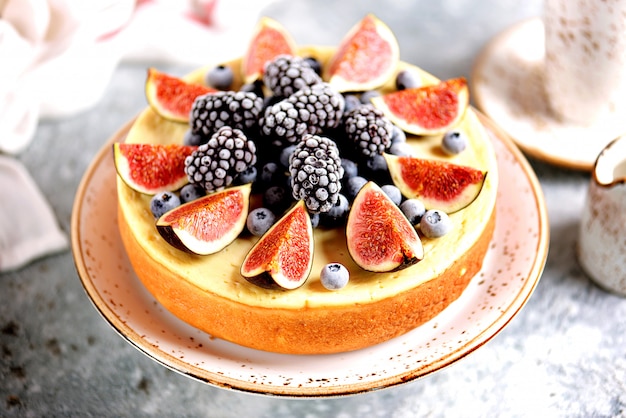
x=259, y=221
x=413, y=209
x=398, y=135
x=401, y=149
x=315, y=64
x=435, y=223
x=351, y=102
x=249, y=175
x=408, y=79
x=353, y=185
x=270, y=172
x=377, y=163
x=454, y=142
x=220, y=77
x=334, y=276
x=163, y=202
x=337, y=214
x=367, y=96
x=393, y=193
x=193, y=139
x=285, y=154
x=191, y=192
x=350, y=168
x=276, y=199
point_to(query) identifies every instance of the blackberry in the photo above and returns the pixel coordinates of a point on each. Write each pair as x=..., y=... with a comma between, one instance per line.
x=286, y=74
x=237, y=109
x=217, y=163
x=316, y=173
x=309, y=110
x=369, y=130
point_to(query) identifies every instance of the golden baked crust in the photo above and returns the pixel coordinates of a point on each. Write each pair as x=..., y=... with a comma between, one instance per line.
x=209, y=293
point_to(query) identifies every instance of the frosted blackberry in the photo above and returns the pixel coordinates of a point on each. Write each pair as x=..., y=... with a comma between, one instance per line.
x=309, y=110
x=282, y=123
x=237, y=109
x=316, y=173
x=320, y=105
x=369, y=130
x=217, y=163
x=286, y=74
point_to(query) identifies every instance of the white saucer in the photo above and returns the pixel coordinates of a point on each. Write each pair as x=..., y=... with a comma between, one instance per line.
x=507, y=85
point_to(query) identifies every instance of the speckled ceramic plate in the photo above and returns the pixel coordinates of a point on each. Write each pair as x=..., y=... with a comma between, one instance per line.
x=507, y=85
x=511, y=270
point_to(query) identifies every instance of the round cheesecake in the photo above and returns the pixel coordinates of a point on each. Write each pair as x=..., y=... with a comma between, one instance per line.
x=209, y=292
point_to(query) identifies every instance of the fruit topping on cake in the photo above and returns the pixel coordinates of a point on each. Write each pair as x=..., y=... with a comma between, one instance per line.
x=426, y=110
x=207, y=224
x=366, y=58
x=150, y=168
x=277, y=151
x=172, y=97
x=283, y=256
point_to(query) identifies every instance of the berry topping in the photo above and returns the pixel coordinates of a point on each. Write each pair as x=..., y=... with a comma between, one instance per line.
x=163, y=202
x=369, y=129
x=393, y=193
x=334, y=276
x=413, y=209
x=435, y=223
x=215, y=164
x=408, y=79
x=220, y=77
x=316, y=173
x=259, y=221
x=282, y=123
x=454, y=142
x=191, y=192
x=353, y=185
x=239, y=110
x=286, y=74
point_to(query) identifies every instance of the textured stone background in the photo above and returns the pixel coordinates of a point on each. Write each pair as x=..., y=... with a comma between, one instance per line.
x=563, y=355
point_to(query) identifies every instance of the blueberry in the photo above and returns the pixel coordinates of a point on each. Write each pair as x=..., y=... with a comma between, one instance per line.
x=334, y=276
x=398, y=135
x=401, y=149
x=315, y=219
x=454, y=142
x=276, y=199
x=193, y=139
x=408, y=79
x=270, y=172
x=352, y=102
x=191, y=192
x=255, y=87
x=367, y=95
x=393, y=193
x=337, y=214
x=163, y=202
x=259, y=221
x=315, y=64
x=249, y=175
x=377, y=163
x=413, y=209
x=353, y=185
x=220, y=77
x=435, y=223
x=350, y=168
x=285, y=154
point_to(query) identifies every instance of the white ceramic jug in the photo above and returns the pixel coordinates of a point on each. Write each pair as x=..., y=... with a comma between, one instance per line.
x=602, y=237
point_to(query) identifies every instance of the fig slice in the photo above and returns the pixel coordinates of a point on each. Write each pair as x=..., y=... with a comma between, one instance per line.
x=426, y=110
x=283, y=256
x=379, y=237
x=438, y=184
x=207, y=224
x=172, y=97
x=152, y=168
x=366, y=58
x=269, y=40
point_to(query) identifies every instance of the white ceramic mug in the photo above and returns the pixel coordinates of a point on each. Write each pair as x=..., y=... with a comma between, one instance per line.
x=585, y=61
x=602, y=237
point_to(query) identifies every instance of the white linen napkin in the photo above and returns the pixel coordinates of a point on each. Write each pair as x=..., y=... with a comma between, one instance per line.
x=57, y=57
